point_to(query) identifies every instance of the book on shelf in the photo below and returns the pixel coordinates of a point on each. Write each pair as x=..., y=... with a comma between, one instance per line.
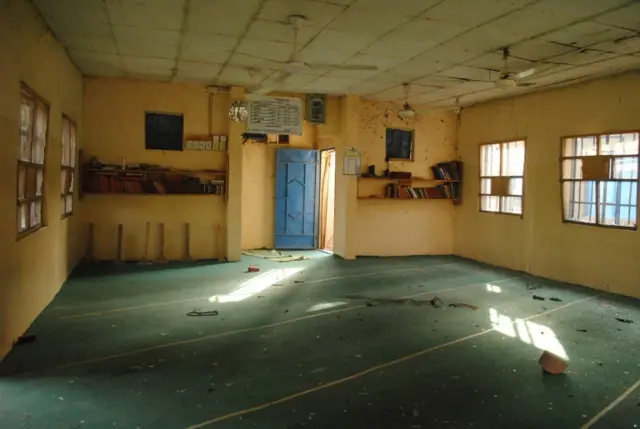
x=396, y=191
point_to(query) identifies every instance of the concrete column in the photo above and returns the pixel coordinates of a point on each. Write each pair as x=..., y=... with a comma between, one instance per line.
x=234, y=200
x=346, y=202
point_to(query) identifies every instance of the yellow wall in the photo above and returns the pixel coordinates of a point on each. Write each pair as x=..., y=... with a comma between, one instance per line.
x=540, y=243
x=406, y=227
x=114, y=123
x=258, y=182
x=427, y=226
x=33, y=268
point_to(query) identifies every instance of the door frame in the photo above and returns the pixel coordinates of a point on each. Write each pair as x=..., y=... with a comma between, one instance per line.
x=318, y=189
x=317, y=192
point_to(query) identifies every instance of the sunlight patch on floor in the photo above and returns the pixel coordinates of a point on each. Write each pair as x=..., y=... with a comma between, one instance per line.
x=255, y=285
x=528, y=332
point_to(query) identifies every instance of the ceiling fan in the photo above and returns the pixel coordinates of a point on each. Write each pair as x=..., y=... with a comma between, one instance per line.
x=296, y=65
x=407, y=111
x=509, y=79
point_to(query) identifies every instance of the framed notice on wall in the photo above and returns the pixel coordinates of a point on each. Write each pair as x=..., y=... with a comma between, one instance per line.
x=351, y=162
x=275, y=115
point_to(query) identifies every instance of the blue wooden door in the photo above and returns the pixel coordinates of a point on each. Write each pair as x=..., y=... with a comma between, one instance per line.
x=295, y=217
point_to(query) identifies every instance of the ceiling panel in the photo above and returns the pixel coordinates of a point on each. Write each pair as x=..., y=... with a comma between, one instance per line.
x=318, y=14
x=440, y=50
x=340, y=41
x=140, y=64
x=587, y=33
x=468, y=12
x=251, y=62
x=207, y=48
x=494, y=61
x=383, y=63
x=232, y=75
x=368, y=87
x=626, y=17
x=221, y=16
x=105, y=45
x=189, y=71
x=629, y=45
x=280, y=32
x=404, y=7
x=428, y=30
x=67, y=12
x=537, y=50
x=397, y=48
x=438, y=81
x=96, y=64
x=328, y=56
x=399, y=92
x=161, y=14
x=367, y=21
x=549, y=15
x=581, y=57
x=147, y=42
x=468, y=73
x=267, y=49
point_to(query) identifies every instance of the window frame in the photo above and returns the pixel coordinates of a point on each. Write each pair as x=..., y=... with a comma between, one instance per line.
x=413, y=142
x=562, y=158
x=523, y=177
x=27, y=93
x=70, y=168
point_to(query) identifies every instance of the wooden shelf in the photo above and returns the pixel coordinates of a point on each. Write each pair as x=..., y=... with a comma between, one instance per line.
x=412, y=179
x=157, y=194
x=402, y=199
x=120, y=171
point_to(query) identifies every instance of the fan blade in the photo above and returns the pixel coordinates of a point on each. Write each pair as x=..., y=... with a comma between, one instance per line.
x=282, y=78
x=342, y=67
x=526, y=73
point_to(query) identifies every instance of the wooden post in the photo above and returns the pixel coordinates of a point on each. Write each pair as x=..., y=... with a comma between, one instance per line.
x=145, y=259
x=88, y=254
x=119, y=244
x=187, y=241
x=161, y=257
x=220, y=243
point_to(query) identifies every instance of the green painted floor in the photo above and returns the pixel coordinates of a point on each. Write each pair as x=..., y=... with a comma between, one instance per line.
x=324, y=347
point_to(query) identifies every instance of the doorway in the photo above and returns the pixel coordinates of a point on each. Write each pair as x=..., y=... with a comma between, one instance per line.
x=327, y=199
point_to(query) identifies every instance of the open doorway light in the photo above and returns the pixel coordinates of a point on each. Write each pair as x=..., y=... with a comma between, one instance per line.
x=327, y=199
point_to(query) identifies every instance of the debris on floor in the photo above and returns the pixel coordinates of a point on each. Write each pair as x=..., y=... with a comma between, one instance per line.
x=434, y=302
x=620, y=319
x=581, y=330
x=253, y=269
x=538, y=297
x=463, y=305
x=25, y=339
x=553, y=298
x=298, y=281
x=273, y=255
x=552, y=363
x=531, y=286
x=203, y=313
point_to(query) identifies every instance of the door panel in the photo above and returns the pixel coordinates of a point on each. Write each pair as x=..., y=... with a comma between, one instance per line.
x=295, y=217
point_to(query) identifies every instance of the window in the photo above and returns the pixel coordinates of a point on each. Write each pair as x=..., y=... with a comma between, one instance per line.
x=502, y=177
x=163, y=131
x=68, y=163
x=399, y=144
x=600, y=179
x=34, y=118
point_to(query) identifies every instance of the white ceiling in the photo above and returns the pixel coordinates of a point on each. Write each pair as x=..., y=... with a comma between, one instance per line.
x=444, y=48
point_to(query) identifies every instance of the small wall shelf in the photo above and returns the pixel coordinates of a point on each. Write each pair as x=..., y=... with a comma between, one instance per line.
x=153, y=181
x=446, y=184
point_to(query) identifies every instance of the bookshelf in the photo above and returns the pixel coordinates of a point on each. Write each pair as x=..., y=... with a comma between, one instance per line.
x=446, y=184
x=153, y=181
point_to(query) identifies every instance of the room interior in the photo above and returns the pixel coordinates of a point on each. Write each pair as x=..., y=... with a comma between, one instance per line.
x=476, y=165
